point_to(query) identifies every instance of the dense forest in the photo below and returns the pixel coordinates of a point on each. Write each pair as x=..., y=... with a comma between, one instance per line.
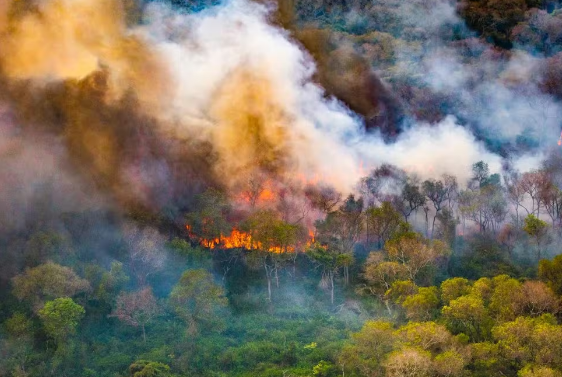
x=381, y=195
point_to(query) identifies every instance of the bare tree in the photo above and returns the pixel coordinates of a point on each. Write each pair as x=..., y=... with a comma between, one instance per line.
x=136, y=309
x=146, y=251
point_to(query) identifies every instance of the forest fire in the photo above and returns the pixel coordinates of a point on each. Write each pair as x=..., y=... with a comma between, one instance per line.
x=560, y=139
x=238, y=240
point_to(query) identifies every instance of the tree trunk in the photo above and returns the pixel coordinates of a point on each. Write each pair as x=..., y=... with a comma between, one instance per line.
x=268, y=276
x=433, y=225
x=538, y=253
x=276, y=278
x=332, y=287
x=269, y=288
x=387, y=304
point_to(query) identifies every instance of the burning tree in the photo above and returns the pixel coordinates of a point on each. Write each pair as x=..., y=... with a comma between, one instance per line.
x=209, y=218
x=271, y=242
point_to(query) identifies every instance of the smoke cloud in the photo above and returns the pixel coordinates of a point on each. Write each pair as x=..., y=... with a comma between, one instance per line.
x=154, y=110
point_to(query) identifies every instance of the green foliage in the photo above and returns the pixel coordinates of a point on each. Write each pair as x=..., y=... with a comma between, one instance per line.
x=538, y=230
x=196, y=299
x=46, y=282
x=551, y=273
x=209, y=220
x=143, y=368
x=423, y=305
x=60, y=318
x=323, y=369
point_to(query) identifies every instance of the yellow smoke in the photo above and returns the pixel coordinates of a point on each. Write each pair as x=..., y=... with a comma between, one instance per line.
x=71, y=39
x=59, y=39
x=250, y=133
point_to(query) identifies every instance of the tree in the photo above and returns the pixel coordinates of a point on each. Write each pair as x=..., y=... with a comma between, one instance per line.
x=531, y=370
x=485, y=205
x=60, y=318
x=329, y=261
x=209, y=220
x=515, y=192
x=423, y=305
x=447, y=226
x=538, y=299
x=110, y=282
x=366, y=353
x=409, y=200
x=538, y=230
x=382, y=222
x=525, y=340
x=381, y=181
x=46, y=282
x=380, y=276
x=16, y=346
x=408, y=362
x=323, y=198
x=146, y=252
x=272, y=242
x=144, y=368
x=467, y=315
x=136, y=309
x=551, y=273
x=414, y=253
x=428, y=336
x=533, y=183
x=480, y=174
x=506, y=299
x=454, y=288
x=340, y=231
x=196, y=299
x=43, y=246
x=436, y=191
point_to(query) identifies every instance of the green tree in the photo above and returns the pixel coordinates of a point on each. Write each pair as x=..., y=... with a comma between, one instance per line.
x=467, y=315
x=60, y=318
x=538, y=230
x=366, y=352
x=196, y=298
x=551, y=273
x=538, y=371
x=46, y=282
x=454, y=288
x=144, y=368
x=274, y=243
x=16, y=346
x=382, y=222
x=423, y=305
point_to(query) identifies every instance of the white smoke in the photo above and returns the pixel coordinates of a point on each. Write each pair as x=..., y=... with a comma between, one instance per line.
x=325, y=138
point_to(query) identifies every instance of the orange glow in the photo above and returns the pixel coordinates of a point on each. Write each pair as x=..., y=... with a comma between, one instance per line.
x=238, y=240
x=266, y=195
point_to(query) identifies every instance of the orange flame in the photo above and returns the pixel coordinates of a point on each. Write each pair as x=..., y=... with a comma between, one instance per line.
x=238, y=240
x=560, y=140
